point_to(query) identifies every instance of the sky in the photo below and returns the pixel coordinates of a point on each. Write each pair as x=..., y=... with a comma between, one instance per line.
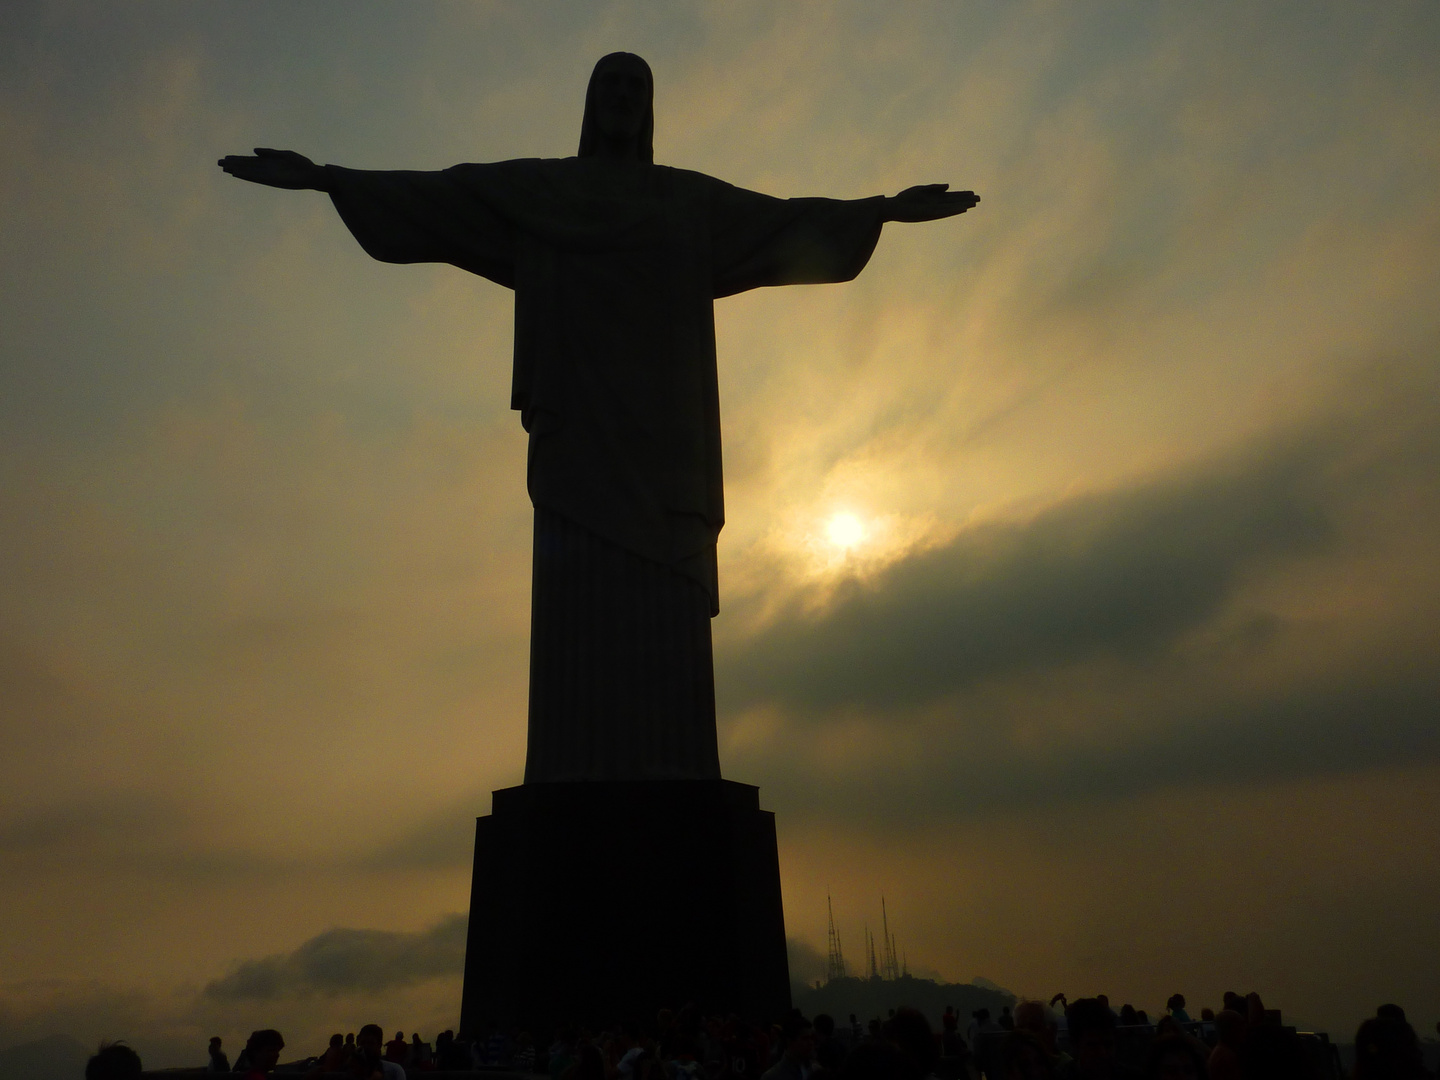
x=1079, y=582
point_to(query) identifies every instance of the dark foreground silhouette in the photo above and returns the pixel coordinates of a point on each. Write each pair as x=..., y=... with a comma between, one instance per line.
x=1081, y=1040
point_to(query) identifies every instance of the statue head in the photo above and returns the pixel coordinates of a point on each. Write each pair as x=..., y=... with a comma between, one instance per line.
x=619, y=109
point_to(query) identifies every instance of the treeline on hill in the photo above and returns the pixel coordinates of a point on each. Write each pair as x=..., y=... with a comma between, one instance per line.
x=872, y=998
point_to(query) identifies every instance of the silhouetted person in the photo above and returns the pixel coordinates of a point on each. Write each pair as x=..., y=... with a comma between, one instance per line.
x=369, y=1061
x=625, y=1051
x=496, y=1048
x=590, y=1064
x=219, y=1063
x=1174, y=1057
x=563, y=1053
x=742, y=1052
x=798, y=1053
x=522, y=1058
x=397, y=1049
x=336, y=1055
x=1270, y=1050
x=1006, y=1021
x=1022, y=1057
x=874, y=1059
x=913, y=1037
x=1058, y=1016
x=1034, y=1017
x=1230, y=1030
x=1256, y=1012
x=113, y=1061
x=1176, y=1008
x=1092, y=1041
x=615, y=263
x=261, y=1053
x=444, y=1049
x=829, y=1050
x=980, y=1023
x=420, y=1054
x=952, y=1045
x=1386, y=1048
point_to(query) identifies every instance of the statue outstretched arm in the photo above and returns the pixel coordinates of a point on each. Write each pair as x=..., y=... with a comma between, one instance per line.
x=399, y=216
x=928, y=202
x=760, y=241
x=277, y=168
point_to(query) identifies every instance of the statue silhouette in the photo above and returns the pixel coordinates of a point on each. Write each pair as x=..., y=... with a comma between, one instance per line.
x=615, y=263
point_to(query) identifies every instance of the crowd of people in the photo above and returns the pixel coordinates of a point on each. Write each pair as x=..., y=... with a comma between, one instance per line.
x=1060, y=1040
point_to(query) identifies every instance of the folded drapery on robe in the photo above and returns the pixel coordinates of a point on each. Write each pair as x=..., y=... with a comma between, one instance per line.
x=622, y=681
x=615, y=266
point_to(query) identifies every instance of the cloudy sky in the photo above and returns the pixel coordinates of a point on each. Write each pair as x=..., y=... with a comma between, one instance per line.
x=1123, y=675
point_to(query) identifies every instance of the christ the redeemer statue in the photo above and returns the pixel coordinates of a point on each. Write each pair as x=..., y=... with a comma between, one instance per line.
x=615, y=263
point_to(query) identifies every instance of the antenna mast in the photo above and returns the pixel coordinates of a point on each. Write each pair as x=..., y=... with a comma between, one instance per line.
x=890, y=965
x=835, y=965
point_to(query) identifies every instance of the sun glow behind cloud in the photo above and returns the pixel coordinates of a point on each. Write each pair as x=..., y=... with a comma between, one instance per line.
x=845, y=530
x=815, y=549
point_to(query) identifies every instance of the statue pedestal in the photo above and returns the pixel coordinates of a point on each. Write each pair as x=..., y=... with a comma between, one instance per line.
x=607, y=900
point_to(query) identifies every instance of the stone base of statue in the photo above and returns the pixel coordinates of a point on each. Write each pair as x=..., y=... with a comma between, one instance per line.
x=602, y=901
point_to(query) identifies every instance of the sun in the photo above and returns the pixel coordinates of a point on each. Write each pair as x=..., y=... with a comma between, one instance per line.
x=845, y=531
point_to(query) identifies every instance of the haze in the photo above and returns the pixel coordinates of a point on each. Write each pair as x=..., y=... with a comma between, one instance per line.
x=1079, y=586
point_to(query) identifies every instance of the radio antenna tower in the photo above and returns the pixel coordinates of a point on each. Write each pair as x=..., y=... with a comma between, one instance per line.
x=835, y=965
x=890, y=965
x=870, y=951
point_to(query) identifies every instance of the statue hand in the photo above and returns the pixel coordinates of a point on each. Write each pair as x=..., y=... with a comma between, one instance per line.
x=276, y=168
x=928, y=202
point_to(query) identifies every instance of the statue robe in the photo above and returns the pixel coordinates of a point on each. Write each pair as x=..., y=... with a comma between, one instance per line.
x=615, y=267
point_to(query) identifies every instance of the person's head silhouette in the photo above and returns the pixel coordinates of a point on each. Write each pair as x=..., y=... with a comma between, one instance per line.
x=1386, y=1046
x=263, y=1049
x=1092, y=1036
x=113, y=1061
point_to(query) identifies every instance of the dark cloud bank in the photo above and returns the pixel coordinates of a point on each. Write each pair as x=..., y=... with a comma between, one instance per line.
x=346, y=961
x=1127, y=602
x=1118, y=573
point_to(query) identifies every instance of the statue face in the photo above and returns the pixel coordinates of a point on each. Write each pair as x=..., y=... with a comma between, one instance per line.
x=622, y=94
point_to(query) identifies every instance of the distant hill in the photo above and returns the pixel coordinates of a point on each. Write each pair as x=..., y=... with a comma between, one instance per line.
x=871, y=998
x=56, y=1057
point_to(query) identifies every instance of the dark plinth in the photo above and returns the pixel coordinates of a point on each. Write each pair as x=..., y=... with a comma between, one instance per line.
x=607, y=900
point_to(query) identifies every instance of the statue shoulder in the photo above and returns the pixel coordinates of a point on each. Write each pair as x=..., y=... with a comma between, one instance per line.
x=689, y=179
x=514, y=169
